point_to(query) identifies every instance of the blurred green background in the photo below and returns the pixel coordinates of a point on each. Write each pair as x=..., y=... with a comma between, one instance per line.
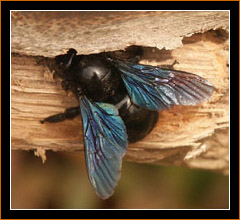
x=62, y=183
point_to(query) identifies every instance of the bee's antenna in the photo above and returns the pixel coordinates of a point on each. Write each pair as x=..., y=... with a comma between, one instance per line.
x=72, y=51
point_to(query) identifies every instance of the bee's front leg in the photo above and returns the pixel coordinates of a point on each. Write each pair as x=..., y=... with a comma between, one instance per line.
x=69, y=113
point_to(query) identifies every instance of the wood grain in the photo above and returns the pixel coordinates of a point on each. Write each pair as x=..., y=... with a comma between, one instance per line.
x=50, y=33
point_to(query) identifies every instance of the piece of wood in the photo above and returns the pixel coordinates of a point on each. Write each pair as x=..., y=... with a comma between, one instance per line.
x=192, y=136
x=51, y=33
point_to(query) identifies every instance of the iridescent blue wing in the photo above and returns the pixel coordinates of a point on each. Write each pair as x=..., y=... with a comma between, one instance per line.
x=105, y=141
x=155, y=88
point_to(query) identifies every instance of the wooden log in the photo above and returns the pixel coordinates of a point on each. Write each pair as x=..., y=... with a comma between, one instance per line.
x=51, y=33
x=192, y=136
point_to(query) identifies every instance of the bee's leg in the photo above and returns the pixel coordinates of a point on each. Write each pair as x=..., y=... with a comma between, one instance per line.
x=69, y=113
x=169, y=66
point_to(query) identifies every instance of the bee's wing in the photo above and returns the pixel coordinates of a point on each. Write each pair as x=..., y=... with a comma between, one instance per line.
x=155, y=88
x=105, y=141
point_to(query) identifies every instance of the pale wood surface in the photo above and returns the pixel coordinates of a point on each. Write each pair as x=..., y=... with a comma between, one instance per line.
x=52, y=33
x=193, y=136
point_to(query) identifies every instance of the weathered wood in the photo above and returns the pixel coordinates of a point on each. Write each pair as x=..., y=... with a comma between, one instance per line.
x=193, y=136
x=52, y=33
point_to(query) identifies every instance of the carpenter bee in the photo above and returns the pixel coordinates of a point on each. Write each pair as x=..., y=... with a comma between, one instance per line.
x=119, y=102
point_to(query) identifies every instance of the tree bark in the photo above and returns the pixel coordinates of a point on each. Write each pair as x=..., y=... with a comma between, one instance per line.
x=192, y=136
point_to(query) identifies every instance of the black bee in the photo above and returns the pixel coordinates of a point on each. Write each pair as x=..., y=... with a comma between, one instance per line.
x=119, y=102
